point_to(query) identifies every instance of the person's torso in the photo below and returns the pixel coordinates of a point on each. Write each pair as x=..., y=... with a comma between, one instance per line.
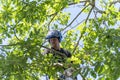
x=60, y=55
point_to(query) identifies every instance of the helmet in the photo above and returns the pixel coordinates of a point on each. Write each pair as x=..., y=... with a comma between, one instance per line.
x=54, y=34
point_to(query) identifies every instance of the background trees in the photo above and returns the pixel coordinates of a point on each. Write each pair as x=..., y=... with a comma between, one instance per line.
x=94, y=41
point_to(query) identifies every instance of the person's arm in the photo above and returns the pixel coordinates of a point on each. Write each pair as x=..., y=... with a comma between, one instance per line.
x=68, y=54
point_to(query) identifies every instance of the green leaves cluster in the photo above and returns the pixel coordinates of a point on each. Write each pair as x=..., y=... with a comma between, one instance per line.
x=23, y=27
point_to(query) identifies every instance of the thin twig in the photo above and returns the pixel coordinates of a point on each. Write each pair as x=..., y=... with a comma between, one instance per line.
x=77, y=43
x=114, y=2
x=51, y=20
x=82, y=33
x=81, y=75
x=15, y=34
x=76, y=3
x=95, y=13
x=89, y=14
x=74, y=26
x=76, y=17
x=68, y=5
x=3, y=51
x=78, y=23
x=55, y=14
x=98, y=10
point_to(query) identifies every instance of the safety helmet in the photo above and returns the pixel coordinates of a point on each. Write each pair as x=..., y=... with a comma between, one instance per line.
x=54, y=34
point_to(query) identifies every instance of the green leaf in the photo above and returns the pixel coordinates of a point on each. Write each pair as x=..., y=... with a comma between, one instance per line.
x=0, y=41
x=93, y=74
x=95, y=42
x=80, y=27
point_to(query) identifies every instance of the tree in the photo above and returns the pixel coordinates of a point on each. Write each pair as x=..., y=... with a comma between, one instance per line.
x=24, y=24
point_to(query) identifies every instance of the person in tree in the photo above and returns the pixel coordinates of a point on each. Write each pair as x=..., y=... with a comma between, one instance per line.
x=54, y=38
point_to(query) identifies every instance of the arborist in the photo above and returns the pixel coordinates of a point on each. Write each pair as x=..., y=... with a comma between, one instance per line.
x=54, y=38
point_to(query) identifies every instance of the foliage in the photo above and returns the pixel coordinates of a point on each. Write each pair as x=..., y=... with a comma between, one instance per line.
x=24, y=24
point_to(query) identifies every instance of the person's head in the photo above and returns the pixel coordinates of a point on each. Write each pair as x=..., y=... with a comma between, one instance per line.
x=54, y=37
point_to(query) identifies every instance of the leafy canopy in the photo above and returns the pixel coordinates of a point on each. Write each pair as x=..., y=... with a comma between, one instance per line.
x=94, y=42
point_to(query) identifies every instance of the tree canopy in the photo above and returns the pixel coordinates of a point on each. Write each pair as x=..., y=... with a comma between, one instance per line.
x=94, y=41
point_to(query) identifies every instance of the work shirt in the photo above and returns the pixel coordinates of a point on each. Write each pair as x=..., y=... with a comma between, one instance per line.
x=60, y=55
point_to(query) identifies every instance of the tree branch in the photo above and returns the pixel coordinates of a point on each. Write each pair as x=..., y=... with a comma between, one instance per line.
x=51, y=20
x=114, y=2
x=90, y=11
x=53, y=50
x=68, y=5
x=98, y=10
x=15, y=34
x=79, y=2
x=81, y=75
x=88, y=15
x=40, y=46
x=74, y=26
x=77, y=43
x=82, y=33
x=95, y=13
x=76, y=17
